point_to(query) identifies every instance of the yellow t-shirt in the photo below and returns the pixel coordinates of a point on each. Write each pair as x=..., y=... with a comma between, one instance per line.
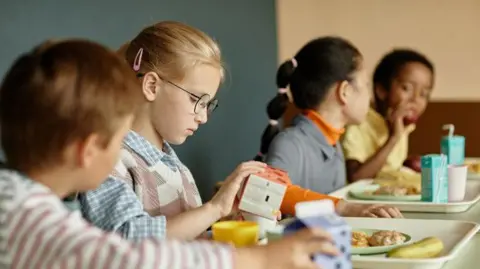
x=361, y=141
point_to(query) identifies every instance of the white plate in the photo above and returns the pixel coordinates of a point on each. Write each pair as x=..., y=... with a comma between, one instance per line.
x=472, y=196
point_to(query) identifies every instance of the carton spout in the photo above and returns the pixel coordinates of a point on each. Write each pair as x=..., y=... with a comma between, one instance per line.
x=451, y=129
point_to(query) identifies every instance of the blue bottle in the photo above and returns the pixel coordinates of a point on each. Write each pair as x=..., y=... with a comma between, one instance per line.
x=453, y=146
x=322, y=214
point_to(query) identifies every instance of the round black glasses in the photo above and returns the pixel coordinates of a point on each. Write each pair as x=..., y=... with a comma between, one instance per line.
x=201, y=102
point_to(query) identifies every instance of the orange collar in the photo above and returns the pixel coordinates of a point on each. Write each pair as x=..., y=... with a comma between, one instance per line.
x=331, y=133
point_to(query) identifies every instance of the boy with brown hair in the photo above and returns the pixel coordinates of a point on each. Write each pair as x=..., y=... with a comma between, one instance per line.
x=64, y=110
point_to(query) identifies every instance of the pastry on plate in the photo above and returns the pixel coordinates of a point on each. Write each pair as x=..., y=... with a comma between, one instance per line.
x=359, y=239
x=386, y=238
x=398, y=190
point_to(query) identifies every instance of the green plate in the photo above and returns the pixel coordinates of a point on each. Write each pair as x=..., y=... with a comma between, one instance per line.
x=365, y=193
x=376, y=250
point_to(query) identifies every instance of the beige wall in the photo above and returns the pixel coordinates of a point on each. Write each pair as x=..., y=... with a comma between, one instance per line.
x=447, y=31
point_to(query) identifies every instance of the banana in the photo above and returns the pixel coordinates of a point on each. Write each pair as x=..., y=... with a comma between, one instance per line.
x=426, y=248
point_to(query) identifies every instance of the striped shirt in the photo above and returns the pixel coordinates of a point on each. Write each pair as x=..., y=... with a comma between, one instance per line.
x=37, y=231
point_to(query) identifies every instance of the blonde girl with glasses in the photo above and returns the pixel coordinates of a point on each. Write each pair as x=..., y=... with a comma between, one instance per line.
x=151, y=193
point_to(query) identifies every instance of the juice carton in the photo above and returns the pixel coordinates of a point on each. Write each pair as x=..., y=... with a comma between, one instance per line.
x=453, y=146
x=322, y=214
x=434, y=178
x=262, y=194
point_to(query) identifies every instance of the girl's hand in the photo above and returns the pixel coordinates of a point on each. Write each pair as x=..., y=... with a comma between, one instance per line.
x=369, y=211
x=224, y=199
x=379, y=211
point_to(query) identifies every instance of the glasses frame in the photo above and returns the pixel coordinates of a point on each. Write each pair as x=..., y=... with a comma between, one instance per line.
x=211, y=105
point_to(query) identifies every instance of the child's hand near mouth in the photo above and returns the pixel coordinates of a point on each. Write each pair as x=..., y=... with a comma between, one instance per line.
x=399, y=118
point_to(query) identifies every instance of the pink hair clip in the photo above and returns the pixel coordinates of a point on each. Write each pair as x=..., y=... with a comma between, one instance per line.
x=138, y=60
x=294, y=62
x=273, y=122
x=282, y=90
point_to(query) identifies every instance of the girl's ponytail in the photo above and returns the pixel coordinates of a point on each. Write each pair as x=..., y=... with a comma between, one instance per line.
x=277, y=107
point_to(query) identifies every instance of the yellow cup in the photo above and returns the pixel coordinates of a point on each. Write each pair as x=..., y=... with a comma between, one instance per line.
x=239, y=233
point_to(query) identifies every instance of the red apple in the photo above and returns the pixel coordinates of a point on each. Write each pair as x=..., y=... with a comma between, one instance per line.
x=410, y=120
x=414, y=163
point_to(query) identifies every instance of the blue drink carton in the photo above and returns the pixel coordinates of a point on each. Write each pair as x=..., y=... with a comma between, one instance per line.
x=434, y=178
x=453, y=146
x=321, y=213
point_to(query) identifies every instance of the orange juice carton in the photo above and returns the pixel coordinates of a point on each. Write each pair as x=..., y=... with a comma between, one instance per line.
x=262, y=193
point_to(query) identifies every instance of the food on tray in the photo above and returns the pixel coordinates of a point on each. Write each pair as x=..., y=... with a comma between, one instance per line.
x=474, y=167
x=429, y=247
x=400, y=176
x=398, y=190
x=359, y=239
x=386, y=238
x=395, y=183
x=398, y=182
x=380, y=238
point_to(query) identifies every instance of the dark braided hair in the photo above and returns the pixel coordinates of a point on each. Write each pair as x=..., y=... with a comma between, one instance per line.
x=310, y=74
x=277, y=106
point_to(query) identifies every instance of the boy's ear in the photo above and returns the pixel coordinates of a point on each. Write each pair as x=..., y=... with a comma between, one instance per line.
x=88, y=150
x=150, y=86
x=380, y=92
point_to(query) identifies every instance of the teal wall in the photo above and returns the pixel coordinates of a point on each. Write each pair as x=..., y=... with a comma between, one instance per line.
x=246, y=32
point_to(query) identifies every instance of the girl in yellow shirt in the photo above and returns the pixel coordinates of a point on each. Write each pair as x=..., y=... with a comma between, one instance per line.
x=402, y=82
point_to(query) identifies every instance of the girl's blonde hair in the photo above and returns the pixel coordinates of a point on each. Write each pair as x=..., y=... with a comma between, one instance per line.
x=171, y=49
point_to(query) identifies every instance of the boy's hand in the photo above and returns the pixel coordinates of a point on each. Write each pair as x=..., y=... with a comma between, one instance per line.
x=224, y=199
x=369, y=211
x=292, y=252
x=396, y=118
